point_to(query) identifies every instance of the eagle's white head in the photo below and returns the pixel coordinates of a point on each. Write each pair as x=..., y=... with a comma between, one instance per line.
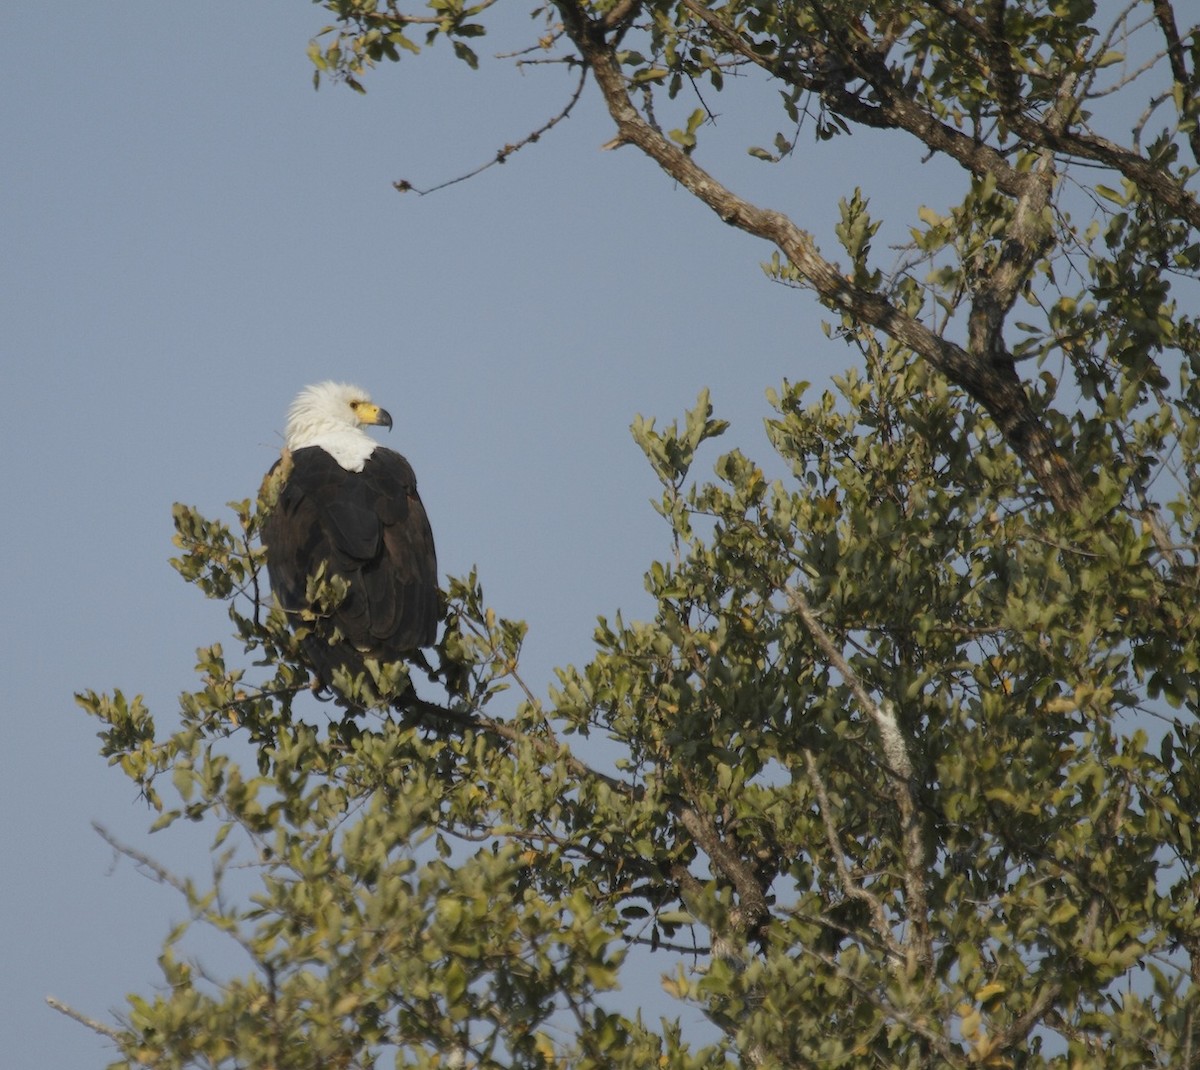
x=332, y=415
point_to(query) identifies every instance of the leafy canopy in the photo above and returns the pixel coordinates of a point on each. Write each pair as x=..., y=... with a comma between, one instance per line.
x=902, y=770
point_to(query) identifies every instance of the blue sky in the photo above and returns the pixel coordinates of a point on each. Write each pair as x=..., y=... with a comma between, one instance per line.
x=191, y=235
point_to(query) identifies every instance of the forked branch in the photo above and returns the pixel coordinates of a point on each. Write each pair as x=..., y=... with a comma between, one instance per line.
x=990, y=378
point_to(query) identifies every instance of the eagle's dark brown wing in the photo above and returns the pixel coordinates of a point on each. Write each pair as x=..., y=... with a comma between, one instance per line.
x=371, y=530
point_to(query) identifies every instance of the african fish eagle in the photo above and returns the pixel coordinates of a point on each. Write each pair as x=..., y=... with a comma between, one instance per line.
x=350, y=504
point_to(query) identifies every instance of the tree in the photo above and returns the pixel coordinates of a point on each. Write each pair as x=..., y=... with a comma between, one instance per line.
x=908, y=754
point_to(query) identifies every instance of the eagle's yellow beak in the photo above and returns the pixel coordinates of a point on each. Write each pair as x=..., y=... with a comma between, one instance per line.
x=369, y=413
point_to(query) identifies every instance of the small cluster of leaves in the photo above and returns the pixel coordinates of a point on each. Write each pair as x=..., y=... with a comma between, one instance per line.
x=366, y=33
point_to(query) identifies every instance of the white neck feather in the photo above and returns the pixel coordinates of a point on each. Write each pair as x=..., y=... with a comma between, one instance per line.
x=349, y=446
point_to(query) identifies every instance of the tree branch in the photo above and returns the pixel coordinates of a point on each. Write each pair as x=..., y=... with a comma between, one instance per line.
x=899, y=770
x=852, y=890
x=993, y=383
x=753, y=906
x=83, y=1019
x=1026, y=240
x=1063, y=137
x=502, y=155
x=1164, y=15
x=753, y=909
x=894, y=108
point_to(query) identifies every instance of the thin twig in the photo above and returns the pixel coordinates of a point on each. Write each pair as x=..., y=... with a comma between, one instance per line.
x=503, y=154
x=83, y=1019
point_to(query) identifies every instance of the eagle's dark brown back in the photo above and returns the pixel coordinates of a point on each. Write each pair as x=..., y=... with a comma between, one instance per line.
x=372, y=531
